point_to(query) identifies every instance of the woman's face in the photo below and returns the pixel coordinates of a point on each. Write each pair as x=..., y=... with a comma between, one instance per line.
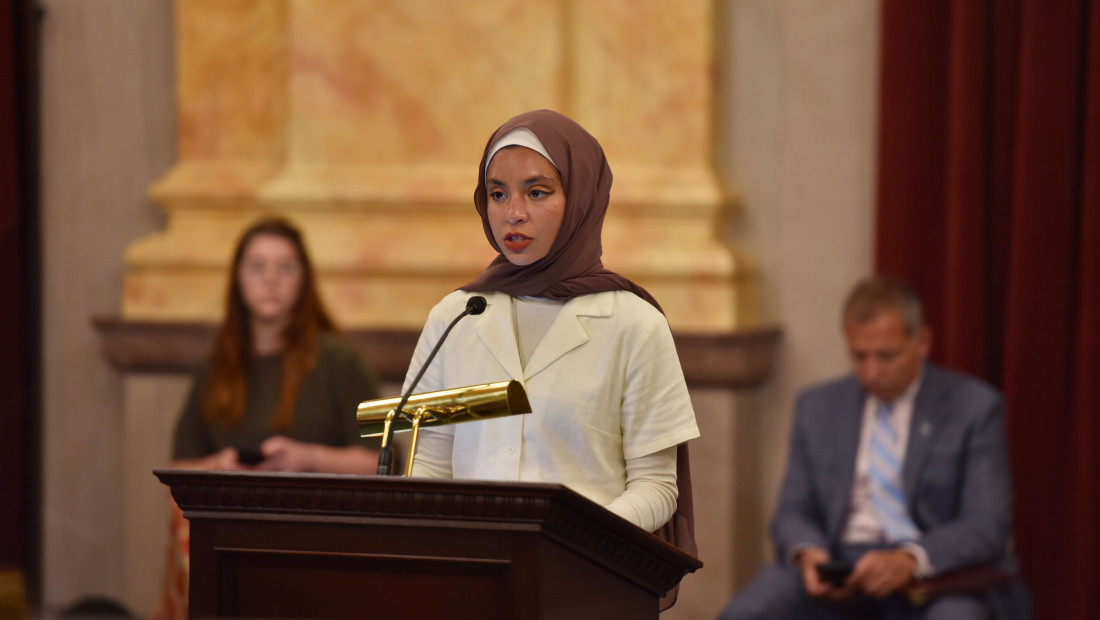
x=271, y=274
x=526, y=203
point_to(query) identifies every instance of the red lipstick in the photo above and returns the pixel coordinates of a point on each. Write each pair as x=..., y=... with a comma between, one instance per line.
x=516, y=242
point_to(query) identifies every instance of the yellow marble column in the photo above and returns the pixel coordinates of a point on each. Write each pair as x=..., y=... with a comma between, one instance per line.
x=364, y=121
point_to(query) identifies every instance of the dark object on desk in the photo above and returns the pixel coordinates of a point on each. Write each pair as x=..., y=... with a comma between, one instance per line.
x=834, y=572
x=966, y=580
x=250, y=455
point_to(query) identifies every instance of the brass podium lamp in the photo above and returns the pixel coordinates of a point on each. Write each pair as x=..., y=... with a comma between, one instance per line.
x=464, y=404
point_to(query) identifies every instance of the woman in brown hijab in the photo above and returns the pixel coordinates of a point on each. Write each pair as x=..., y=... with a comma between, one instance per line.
x=592, y=349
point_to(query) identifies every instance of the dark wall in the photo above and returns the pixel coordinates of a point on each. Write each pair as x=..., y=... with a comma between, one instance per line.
x=20, y=447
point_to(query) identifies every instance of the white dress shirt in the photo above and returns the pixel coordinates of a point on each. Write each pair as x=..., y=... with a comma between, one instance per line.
x=863, y=525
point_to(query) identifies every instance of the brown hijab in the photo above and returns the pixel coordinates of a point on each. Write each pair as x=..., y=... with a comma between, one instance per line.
x=572, y=267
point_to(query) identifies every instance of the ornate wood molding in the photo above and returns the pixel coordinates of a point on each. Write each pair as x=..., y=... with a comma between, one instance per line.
x=739, y=359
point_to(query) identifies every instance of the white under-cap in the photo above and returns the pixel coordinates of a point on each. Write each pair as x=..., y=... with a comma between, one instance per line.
x=520, y=136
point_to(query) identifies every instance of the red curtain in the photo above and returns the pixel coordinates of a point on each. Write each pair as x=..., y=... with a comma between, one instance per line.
x=989, y=203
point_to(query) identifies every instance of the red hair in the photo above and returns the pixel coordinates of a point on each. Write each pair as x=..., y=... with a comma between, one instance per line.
x=224, y=400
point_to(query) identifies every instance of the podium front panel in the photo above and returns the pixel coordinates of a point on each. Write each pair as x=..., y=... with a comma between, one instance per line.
x=324, y=569
x=266, y=584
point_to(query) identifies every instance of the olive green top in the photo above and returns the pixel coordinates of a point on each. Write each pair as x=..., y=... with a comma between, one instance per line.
x=323, y=413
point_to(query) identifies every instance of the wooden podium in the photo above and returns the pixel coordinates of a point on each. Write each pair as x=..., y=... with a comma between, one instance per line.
x=266, y=545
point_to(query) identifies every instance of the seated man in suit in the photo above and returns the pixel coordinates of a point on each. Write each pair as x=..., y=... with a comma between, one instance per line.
x=899, y=470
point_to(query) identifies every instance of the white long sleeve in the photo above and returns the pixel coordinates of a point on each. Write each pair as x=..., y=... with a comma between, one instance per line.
x=650, y=496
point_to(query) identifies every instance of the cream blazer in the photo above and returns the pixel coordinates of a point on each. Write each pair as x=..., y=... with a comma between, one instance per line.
x=605, y=385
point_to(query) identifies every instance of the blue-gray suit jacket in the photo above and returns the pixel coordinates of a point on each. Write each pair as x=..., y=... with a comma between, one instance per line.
x=956, y=473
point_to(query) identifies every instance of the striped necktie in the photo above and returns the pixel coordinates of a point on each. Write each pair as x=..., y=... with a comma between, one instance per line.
x=885, y=476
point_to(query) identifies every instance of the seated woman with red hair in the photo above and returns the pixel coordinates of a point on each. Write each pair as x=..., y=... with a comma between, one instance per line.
x=280, y=390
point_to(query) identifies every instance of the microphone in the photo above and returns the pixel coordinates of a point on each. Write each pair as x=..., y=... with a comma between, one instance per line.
x=474, y=305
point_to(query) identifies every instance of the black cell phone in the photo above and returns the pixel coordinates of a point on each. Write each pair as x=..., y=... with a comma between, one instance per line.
x=249, y=456
x=834, y=572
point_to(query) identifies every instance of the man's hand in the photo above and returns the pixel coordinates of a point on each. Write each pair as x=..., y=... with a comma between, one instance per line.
x=881, y=573
x=808, y=560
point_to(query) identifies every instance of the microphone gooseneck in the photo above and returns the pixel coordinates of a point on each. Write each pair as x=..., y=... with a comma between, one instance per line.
x=474, y=305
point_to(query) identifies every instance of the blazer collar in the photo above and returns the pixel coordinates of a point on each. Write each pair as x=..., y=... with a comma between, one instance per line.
x=566, y=332
x=849, y=422
x=496, y=329
x=928, y=410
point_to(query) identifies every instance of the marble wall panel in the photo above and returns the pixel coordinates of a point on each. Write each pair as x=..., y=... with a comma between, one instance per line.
x=364, y=121
x=231, y=74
